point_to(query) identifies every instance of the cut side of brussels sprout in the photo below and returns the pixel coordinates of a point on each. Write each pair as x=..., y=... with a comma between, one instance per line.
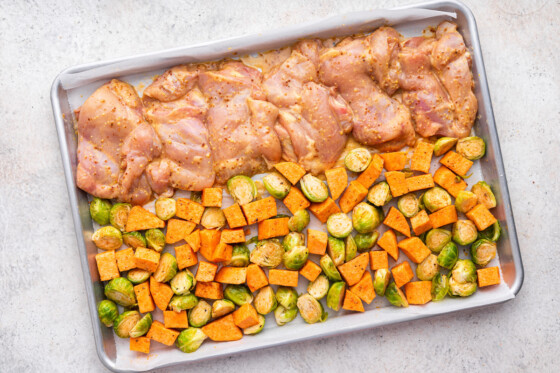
x=483, y=251
x=255, y=329
x=183, y=282
x=464, y=271
x=265, y=301
x=381, y=280
x=428, y=268
x=436, y=198
x=339, y=225
x=484, y=194
x=118, y=216
x=335, y=249
x=268, y=253
x=125, y=322
x=448, y=255
x=99, y=210
x=142, y=326
x=155, y=239
x=465, y=201
x=380, y=194
x=365, y=241
x=183, y=302
x=292, y=240
x=107, y=238
x=134, y=239
x=464, y=232
x=238, y=294
x=436, y=239
x=329, y=268
x=457, y=289
x=395, y=296
x=443, y=145
x=295, y=258
x=440, y=287
x=357, y=160
x=311, y=309
x=121, y=291
x=190, y=339
x=286, y=297
x=319, y=288
x=107, y=312
x=242, y=189
x=137, y=276
x=313, y=188
x=365, y=217
x=335, y=296
x=222, y=307
x=351, y=249
x=408, y=205
x=200, y=314
x=167, y=268
x=213, y=218
x=472, y=148
x=299, y=221
x=491, y=233
x=240, y=256
x=277, y=185
x=284, y=315
x=165, y=208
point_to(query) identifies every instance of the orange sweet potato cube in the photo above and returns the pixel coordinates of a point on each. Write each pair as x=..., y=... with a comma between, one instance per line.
x=161, y=293
x=353, y=270
x=186, y=257
x=354, y=194
x=310, y=270
x=402, y=273
x=444, y=216
x=295, y=200
x=397, y=183
x=273, y=228
x=422, y=157
x=245, y=316
x=283, y=277
x=419, y=182
x=364, y=288
x=378, y=259
x=420, y=222
x=178, y=320
x=140, y=219
x=189, y=210
x=234, y=216
x=372, y=172
x=456, y=163
x=394, y=161
x=140, y=344
x=418, y=292
x=222, y=253
x=324, y=209
x=415, y=249
x=232, y=275
x=388, y=242
x=223, y=330
x=125, y=259
x=481, y=217
x=209, y=290
x=352, y=302
x=337, y=179
x=488, y=276
x=256, y=278
x=206, y=272
x=233, y=235
x=178, y=229
x=449, y=181
x=212, y=197
x=209, y=240
x=317, y=241
x=193, y=240
x=146, y=259
x=144, y=298
x=260, y=210
x=396, y=220
x=158, y=332
x=291, y=171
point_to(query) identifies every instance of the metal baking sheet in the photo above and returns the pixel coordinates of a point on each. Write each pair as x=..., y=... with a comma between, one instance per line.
x=73, y=85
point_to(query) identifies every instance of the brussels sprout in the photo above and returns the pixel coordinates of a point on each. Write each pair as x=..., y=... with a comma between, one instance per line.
x=107, y=311
x=421, y=205
x=99, y=210
x=183, y=282
x=310, y=309
x=134, y=239
x=242, y=189
x=365, y=217
x=483, y=251
x=292, y=240
x=472, y=147
x=463, y=271
x=299, y=221
x=484, y=194
x=443, y=145
x=491, y=233
x=165, y=208
x=464, y=232
x=200, y=314
x=339, y=225
x=436, y=198
x=428, y=268
x=255, y=329
x=284, y=315
x=190, y=339
x=448, y=255
x=357, y=160
x=296, y=257
x=125, y=322
x=265, y=301
x=313, y=188
x=213, y=218
x=458, y=289
x=138, y=276
x=196, y=196
x=239, y=256
x=408, y=205
x=395, y=296
x=118, y=215
x=465, y=201
x=319, y=287
x=142, y=326
x=107, y=238
x=286, y=297
x=121, y=291
x=365, y=241
x=380, y=194
x=238, y=294
x=329, y=268
x=155, y=239
x=167, y=268
x=268, y=253
x=336, y=250
x=277, y=185
x=222, y=307
x=381, y=280
x=335, y=296
x=437, y=238
x=440, y=287
x=351, y=249
x=183, y=302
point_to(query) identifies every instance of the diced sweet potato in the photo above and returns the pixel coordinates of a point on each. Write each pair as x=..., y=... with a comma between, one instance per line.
x=291, y=171
x=209, y=240
x=337, y=179
x=317, y=241
x=388, y=242
x=223, y=330
x=140, y=344
x=420, y=222
x=260, y=210
x=352, y=302
x=396, y=220
x=456, y=163
x=394, y=161
x=189, y=210
x=158, y=332
x=256, y=278
x=364, y=288
x=206, y=272
x=273, y=228
x=178, y=229
x=233, y=235
x=353, y=270
x=310, y=270
x=146, y=259
x=354, y=194
x=222, y=253
x=193, y=240
x=232, y=275
x=161, y=293
x=144, y=298
x=397, y=183
x=283, y=277
x=422, y=157
x=402, y=273
x=372, y=172
x=488, y=276
x=140, y=219
x=209, y=290
x=178, y=320
x=444, y=216
x=125, y=259
x=323, y=210
x=378, y=259
x=186, y=257
x=419, y=182
x=234, y=216
x=245, y=316
x=415, y=249
x=212, y=197
x=449, y=181
x=418, y=292
x=481, y=217
x=295, y=200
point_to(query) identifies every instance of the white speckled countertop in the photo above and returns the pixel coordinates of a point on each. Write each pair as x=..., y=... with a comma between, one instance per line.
x=44, y=321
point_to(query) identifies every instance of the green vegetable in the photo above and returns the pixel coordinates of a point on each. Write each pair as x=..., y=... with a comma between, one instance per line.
x=167, y=268
x=165, y=208
x=292, y=240
x=222, y=307
x=121, y=291
x=440, y=287
x=339, y=225
x=365, y=241
x=457, y=289
x=99, y=210
x=381, y=280
x=351, y=249
x=213, y=218
x=142, y=326
x=357, y=160
x=484, y=193
x=268, y=253
x=465, y=201
x=428, y=268
x=242, y=189
x=183, y=302
x=238, y=294
x=138, y=276
x=464, y=271
x=286, y=297
x=395, y=296
x=380, y=194
x=408, y=205
x=448, y=255
x=107, y=238
x=491, y=233
x=483, y=251
x=335, y=248
x=313, y=188
x=443, y=145
x=335, y=296
x=118, y=215
x=329, y=268
x=107, y=311
x=265, y=301
x=310, y=309
x=472, y=148
x=277, y=185
x=284, y=315
x=319, y=288
x=436, y=198
x=436, y=239
x=365, y=217
x=190, y=339
x=155, y=239
x=200, y=314
x=255, y=329
x=240, y=256
x=295, y=258
x=299, y=221
x=134, y=239
x=183, y=282
x=464, y=232
x=196, y=196
x=125, y=322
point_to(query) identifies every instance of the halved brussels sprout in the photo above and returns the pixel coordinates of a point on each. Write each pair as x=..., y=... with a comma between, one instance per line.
x=134, y=239
x=155, y=239
x=286, y=297
x=190, y=339
x=292, y=240
x=196, y=196
x=238, y=294
x=118, y=215
x=428, y=268
x=142, y=326
x=408, y=205
x=313, y=188
x=183, y=302
x=183, y=282
x=464, y=232
x=99, y=210
x=277, y=185
x=329, y=268
x=335, y=295
x=268, y=253
x=464, y=271
x=365, y=241
x=472, y=147
x=483, y=251
x=121, y=291
x=283, y=315
x=213, y=218
x=465, y=201
x=242, y=189
x=167, y=268
x=421, y=205
x=107, y=238
x=299, y=221
x=335, y=248
x=458, y=289
x=295, y=258
x=491, y=233
x=436, y=239
x=365, y=217
x=351, y=249
x=436, y=198
x=222, y=307
x=380, y=194
x=319, y=288
x=440, y=287
x=381, y=280
x=107, y=311
x=484, y=194
x=395, y=296
x=448, y=255
x=239, y=256
x=255, y=329
x=125, y=322
x=200, y=314
x=357, y=160
x=138, y=276
x=443, y=145
x=165, y=208
x=310, y=309
x=265, y=301
x=339, y=225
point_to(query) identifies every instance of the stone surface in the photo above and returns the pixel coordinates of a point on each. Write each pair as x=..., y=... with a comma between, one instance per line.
x=44, y=322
